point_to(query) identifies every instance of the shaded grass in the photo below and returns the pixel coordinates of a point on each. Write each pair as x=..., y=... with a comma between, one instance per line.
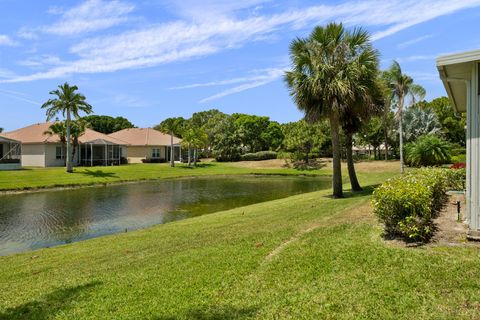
x=215, y=267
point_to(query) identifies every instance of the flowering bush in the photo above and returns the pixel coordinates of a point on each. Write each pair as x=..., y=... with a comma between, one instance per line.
x=458, y=165
x=408, y=204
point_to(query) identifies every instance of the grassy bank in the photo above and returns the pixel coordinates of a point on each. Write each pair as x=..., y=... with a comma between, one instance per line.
x=36, y=178
x=303, y=257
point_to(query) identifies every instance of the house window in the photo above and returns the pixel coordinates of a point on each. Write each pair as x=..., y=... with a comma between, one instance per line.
x=155, y=153
x=59, y=153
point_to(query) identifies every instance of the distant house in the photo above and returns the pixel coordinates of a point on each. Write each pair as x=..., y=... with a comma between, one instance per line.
x=42, y=150
x=10, y=154
x=148, y=145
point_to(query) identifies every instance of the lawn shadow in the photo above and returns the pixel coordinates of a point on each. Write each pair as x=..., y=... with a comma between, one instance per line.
x=367, y=191
x=212, y=313
x=98, y=173
x=48, y=305
x=198, y=166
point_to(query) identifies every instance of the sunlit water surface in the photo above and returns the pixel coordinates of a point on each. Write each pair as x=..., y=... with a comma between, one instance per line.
x=45, y=219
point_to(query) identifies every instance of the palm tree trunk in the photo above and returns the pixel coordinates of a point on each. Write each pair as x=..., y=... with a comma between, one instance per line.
x=69, y=144
x=351, y=167
x=337, y=166
x=385, y=130
x=386, y=146
x=195, y=156
x=189, y=156
x=400, y=131
x=172, y=162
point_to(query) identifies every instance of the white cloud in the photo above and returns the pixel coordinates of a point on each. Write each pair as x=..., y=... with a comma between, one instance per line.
x=6, y=41
x=187, y=39
x=408, y=43
x=6, y=74
x=41, y=61
x=27, y=34
x=264, y=77
x=89, y=16
x=18, y=96
x=424, y=76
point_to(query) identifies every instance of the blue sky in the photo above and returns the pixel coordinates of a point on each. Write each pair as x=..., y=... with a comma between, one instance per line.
x=151, y=59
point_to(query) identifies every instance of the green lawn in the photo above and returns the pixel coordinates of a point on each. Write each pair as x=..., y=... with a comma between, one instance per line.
x=303, y=257
x=32, y=178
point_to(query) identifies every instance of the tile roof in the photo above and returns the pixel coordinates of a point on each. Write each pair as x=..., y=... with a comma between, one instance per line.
x=144, y=137
x=35, y=134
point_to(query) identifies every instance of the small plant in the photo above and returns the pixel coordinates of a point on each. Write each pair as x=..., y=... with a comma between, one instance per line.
x=428, y=150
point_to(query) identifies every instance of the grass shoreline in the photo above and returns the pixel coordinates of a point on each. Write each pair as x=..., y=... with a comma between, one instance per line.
x=43, y=179
x=27, y=190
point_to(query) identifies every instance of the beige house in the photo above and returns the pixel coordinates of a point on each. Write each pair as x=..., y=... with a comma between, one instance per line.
x=43, y=150
x=148, y=145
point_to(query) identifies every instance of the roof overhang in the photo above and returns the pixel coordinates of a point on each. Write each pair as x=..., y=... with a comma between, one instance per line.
x=100, y=142
x=456, y=72
x=8, y=140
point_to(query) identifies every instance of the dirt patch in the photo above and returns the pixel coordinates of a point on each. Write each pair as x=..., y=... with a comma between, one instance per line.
x=451, y=229
x=268, y=164
x=363, y=166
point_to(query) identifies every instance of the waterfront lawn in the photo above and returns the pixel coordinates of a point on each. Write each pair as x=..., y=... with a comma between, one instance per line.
x=303, y=257
x=35, y=178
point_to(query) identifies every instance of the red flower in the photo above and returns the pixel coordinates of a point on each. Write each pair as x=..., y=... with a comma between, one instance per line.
x=458, y=165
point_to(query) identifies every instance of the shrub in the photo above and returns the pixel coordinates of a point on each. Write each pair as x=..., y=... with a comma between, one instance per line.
x=428, y=150
x=456, y=177
x=257, y=156
x=408, y=204
x=461, y=158
x=151, y=160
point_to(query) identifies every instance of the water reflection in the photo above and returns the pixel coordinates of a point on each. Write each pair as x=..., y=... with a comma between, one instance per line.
x=30, y=221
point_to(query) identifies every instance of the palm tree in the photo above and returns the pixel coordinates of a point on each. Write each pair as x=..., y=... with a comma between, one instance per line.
x=200, y=141
x=419, y=121
x=327, y=76
x=169, y=126
x=77, y=129
x=402, y=87
x=59, y=129
x=188, y=139
x=68, y=102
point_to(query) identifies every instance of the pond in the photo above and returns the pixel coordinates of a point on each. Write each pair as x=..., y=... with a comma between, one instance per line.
x=44, y=219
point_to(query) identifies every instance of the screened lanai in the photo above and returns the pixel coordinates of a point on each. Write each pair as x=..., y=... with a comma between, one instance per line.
x=100, y=152
x=10, y=154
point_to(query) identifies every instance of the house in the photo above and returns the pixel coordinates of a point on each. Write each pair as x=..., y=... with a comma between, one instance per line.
x=43, y=150
x=148, y=145
x=10, y=154
x=460, y=74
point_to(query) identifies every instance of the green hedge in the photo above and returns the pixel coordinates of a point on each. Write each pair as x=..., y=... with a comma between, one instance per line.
x=257, y=156
x=407, y=205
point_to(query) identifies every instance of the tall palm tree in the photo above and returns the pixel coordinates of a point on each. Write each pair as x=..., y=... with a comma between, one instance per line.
x=402, y=87
x=169, y=126
x=68, y=102
x=329, y=72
